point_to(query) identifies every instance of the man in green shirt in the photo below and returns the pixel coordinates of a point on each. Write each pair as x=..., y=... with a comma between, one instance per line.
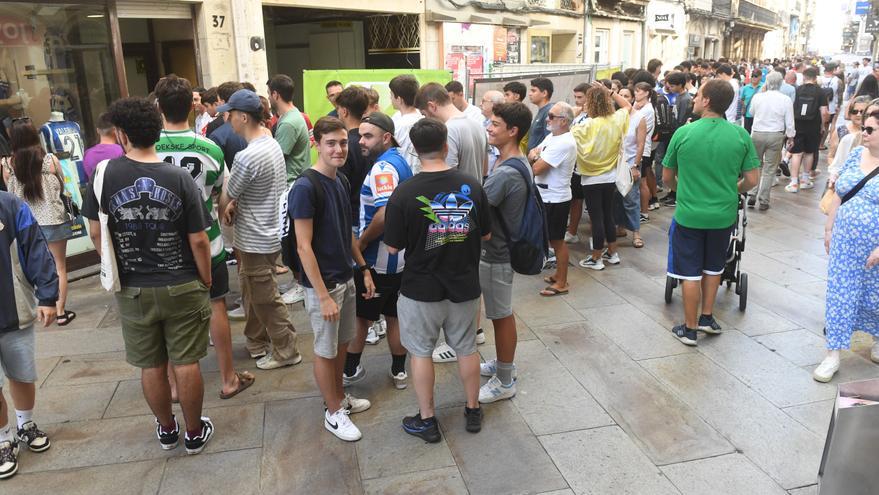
x=703, y=163
x=291, y=132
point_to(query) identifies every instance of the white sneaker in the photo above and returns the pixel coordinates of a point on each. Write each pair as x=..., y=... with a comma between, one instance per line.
x=359, y=375
x=355, y=405
x=494, y=390
x=549, y=263
x=340, y=424
x=381, y=327
x=874, y=352
x=825, y=371
x=807, y=184
x=489, y=368
x=372, y=337
x=611, y=259
x=590, y=263
x=444, y=354
x=571, y=238
x=294, y=295
x=268, y=362
x=480, y=336
x=400, y=380
x=775, y=181
x=793, y=187
x=237, y=314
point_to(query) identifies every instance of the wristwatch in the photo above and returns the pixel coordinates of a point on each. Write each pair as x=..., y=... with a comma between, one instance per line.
x=363, y=268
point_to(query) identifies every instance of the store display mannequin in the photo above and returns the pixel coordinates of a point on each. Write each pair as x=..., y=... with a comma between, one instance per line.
x=63, y=138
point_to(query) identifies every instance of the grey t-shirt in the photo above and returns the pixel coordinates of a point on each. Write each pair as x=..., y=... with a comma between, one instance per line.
x=506, y=191
x=468, y=146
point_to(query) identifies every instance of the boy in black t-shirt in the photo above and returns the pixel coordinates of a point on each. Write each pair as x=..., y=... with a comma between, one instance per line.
x=439, y=217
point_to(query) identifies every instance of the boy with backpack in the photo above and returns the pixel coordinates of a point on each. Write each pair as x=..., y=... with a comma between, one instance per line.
x=672, y=111
x=810, y=116
x=507, y=190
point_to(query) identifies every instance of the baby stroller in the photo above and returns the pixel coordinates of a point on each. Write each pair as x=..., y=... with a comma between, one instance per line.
x=731, y=272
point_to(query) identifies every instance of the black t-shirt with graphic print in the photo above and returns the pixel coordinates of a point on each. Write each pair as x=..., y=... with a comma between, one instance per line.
x=439, y=218
x=152, y=209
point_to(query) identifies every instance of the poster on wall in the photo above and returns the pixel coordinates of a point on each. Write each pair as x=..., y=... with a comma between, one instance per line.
x=500, y=44
x=513, y=46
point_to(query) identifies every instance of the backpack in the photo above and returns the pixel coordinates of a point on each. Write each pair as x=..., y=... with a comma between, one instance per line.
x=530, y=247
x=806, y=103
x=286, y=232
x=829, y=92
x=666, y=124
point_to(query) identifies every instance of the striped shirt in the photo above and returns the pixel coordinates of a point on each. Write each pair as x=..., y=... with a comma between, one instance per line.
x=203, y=159
x=258, y=177
x=389, y=170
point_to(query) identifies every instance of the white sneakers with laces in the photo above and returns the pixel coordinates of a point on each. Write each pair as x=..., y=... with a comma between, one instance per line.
x=444, y=354
x=340, y=424
x=494, y=390
x=571, y=238
x=294, y=295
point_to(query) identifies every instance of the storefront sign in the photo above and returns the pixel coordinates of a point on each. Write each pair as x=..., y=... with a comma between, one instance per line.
x=17, y=32
x=863, y=7
x=695, y=40
x=664, y=21
x=500, y=44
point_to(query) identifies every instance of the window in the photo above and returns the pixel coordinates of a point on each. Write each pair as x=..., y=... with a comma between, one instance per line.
x=540, y=49
x=600, y=46
x=628, y=48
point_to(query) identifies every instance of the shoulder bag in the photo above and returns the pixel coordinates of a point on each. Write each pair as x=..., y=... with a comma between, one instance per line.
x=109, y=267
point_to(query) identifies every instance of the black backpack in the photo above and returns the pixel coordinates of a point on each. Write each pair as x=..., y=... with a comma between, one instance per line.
x=666, y=124
x=286, y=231
x=806, y=103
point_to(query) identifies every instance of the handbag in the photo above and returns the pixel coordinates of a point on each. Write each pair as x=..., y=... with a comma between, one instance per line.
x=624, y=180
x=109, y=267
x=827, y=199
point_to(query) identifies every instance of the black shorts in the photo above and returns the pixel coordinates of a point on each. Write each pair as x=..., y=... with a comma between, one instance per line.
x=219, y=280
x=387, y=289
x=557, y=219
x=693, y=252
x=807, y=141
x=576, y=188
x=647, y=164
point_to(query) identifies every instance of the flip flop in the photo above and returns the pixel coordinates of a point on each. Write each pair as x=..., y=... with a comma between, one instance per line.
x=638, y=243
x=65, y=319
x=551, y=291
x=550, y=279
x=245, y=380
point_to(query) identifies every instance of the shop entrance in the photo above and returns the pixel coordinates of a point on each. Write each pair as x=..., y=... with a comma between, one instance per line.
x=154, y=48
x=298, y=39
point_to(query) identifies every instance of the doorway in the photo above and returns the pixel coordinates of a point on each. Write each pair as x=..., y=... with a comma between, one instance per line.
x=152, y=50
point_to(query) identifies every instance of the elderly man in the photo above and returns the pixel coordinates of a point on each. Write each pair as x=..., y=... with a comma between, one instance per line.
x=773, y=121
x=553, y=163
x=489, y=100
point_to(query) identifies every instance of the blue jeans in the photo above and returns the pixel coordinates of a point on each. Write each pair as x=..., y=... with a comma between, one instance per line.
x=627, y=210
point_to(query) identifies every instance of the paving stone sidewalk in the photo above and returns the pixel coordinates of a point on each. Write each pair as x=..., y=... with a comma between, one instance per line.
x=608, y=401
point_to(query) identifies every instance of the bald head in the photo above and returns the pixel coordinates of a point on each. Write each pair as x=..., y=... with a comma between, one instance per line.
x=489, y=100
x=790, y=77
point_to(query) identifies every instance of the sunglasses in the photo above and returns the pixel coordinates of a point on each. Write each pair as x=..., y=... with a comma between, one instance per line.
x=550, y=116
x=856, y=112
x=868, y=129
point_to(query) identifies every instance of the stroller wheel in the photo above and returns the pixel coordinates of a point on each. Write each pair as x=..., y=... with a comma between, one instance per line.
x=670, y=284
x=742, y=289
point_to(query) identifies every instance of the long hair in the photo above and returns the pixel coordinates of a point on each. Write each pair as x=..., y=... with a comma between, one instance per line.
x=598, y=103
x=27, y=158
x=868, y=87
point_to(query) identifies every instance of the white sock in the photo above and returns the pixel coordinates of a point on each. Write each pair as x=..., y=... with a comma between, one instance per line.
x=23, y=417
x=6, y=433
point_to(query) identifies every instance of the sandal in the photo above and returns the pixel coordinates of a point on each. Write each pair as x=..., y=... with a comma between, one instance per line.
x=245, y=380
x=550, y=279
x=551, y=291
x=65, y=318
x=638, y=242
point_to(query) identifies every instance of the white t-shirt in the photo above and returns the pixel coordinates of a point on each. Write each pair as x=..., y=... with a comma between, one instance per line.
x=474, y=113
x=733, y=110
x=402, y=125
x=647, y=114
x=831, y=82
x=560, y=152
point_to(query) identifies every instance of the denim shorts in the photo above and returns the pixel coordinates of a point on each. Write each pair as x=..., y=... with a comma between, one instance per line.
x=17, y=355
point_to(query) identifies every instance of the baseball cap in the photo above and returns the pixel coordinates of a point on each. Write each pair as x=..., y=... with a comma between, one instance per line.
x=244, y=100
x=383, y=122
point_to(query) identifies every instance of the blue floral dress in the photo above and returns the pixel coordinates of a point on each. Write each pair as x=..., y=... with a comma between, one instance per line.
x=852, y=289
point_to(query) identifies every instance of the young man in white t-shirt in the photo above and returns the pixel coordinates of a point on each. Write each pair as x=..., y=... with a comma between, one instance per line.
x=553, y=163
x=403, y=90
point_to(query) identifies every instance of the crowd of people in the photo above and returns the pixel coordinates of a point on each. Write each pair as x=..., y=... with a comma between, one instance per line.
x=410, y=226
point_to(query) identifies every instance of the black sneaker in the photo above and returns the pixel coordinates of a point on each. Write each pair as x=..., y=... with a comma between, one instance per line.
x=708, y=324
x=8, y=459
x=168, y=440
x=752, y=200
x=426, y=429
x=670, y=199
x=33, y=437
x=196, y=445
x=474, y=419
x=684, y=334
x=785, y=170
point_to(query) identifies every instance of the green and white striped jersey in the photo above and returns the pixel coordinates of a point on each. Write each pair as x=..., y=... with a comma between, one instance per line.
x=203, y=159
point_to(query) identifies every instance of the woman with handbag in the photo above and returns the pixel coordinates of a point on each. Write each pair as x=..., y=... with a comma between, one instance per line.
x=37, y=178
x=851, y=238
x=599, y=140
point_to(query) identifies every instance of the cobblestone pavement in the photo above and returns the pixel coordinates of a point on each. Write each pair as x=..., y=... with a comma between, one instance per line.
x=609, y=401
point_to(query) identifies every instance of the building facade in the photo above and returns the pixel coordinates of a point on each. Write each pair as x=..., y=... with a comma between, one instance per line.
x=616, y=33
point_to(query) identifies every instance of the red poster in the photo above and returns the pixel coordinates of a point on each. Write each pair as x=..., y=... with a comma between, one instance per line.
x=500, y=44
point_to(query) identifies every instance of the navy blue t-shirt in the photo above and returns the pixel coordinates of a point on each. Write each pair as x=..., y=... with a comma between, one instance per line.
x=228, y=141
x=538, y=130
x=331, y=239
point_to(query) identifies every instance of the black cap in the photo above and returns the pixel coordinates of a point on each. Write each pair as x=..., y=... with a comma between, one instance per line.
x=383, y=122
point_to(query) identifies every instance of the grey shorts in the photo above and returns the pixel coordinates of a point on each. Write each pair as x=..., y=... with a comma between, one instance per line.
x=329, y=334
x=496, y=281
x=17, y=355
x=420, y=324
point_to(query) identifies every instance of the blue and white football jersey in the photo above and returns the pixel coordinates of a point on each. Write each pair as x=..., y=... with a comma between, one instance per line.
x=389, y=170
x=60, y=137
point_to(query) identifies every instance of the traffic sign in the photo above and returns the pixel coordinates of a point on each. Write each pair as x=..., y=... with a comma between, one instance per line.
x=872, y=25
x=862, y=7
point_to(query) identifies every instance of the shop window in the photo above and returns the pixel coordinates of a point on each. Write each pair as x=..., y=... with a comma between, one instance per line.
x=600, y=46
x=540, y=49
x=628, y=48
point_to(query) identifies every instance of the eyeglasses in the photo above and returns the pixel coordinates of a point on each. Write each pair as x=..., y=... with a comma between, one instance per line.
x=869, y=130
x=551, y=116
x=855, y=112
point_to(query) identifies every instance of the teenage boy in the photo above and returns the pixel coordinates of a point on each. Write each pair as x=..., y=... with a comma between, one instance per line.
x=403, y=90
x=811, y=114
x=220, y=131
x=333, y=89
x=34, y=290
x=203, y=160
x=515, y=91
x=250, y=202
x=325, y=246
x=439, y=217
x=539, y=94
x=202, y=117
x=158, y=224
x=507, y=194
x=351, y=104
x=708, y=198
x=291, y=131
x=456, y=93
x=390, y=169
x=553, y=162
x=681, y=101
x=725, y=73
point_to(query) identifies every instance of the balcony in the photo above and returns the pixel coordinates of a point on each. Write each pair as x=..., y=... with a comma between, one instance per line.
x=570, y=5
x=754, y=13
x=722, y=8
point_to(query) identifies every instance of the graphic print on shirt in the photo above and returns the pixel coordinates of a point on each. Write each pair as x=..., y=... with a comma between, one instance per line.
x=450, y=214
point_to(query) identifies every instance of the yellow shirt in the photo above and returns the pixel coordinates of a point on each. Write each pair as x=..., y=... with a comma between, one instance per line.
x=598, y=142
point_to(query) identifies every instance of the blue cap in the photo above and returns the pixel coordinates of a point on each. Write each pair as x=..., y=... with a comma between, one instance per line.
x=244, y=100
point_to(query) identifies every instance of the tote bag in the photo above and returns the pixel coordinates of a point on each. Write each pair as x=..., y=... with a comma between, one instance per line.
x=109, y=268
